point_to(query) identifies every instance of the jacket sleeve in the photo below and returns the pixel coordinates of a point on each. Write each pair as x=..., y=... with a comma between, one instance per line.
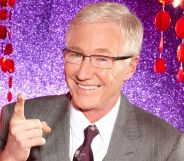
x=177, y=154
x=4, y=126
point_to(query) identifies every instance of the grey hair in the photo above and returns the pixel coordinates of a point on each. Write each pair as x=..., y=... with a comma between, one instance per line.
x=108, y=12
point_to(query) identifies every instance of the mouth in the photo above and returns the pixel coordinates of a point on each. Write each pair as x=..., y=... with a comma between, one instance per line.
x=88, y=87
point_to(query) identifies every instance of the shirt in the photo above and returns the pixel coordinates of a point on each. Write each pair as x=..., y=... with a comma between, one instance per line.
x=100, y=144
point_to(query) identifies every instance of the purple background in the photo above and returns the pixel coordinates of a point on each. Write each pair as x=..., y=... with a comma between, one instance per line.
x=38, y=38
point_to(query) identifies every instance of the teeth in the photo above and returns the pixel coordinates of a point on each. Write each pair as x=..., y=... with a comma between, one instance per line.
x=88, y=87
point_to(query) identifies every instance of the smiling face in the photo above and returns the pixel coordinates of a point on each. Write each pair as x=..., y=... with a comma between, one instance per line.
x=95, y=91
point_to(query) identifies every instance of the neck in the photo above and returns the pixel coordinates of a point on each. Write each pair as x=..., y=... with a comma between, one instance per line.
x=95, y=114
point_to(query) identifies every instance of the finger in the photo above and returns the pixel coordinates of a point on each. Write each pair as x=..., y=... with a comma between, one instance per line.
x=30, y=134
x=45, y=127
x=32, y=142
x=19, y=107
x=20, y=126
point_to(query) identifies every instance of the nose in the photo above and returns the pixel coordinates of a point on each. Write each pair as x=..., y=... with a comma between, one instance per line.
x=85, y=71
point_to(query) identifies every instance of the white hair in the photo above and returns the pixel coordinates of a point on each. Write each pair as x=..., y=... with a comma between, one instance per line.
x=108, y=12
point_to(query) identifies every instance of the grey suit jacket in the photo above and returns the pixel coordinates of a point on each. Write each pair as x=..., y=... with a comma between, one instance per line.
x=137, y=135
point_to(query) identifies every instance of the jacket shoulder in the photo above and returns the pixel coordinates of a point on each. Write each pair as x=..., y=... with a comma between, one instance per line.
x=148, y=119
x=35, y=107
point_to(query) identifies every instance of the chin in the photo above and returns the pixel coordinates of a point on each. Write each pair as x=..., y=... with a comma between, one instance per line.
x=84, y=103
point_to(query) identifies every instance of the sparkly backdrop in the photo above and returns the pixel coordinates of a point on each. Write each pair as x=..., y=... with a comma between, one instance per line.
x=38, y=38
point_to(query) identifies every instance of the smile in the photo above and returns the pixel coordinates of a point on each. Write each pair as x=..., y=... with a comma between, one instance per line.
x=88, y=87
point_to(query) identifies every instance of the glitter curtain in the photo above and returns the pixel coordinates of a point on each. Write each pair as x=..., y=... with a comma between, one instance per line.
x=38, y=38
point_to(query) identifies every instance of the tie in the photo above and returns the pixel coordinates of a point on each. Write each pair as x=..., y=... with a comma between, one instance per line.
x=84, y=152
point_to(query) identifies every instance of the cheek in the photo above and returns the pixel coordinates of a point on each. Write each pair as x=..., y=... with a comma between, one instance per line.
x=109, y=77
x=69, y=70
x=118, y=75
x=105, y=76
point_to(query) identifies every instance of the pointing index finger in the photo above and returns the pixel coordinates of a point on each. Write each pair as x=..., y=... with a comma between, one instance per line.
x=19, y=107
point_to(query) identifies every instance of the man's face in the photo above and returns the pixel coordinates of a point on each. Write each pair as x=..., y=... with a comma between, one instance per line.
x=96, y=89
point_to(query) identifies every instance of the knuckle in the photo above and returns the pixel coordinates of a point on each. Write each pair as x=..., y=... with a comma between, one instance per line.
x=13, y=130
x=38, y=122
x=41, y=141
x=40, y=132
x=18, y=138
x=38, y=141
x=22, y=144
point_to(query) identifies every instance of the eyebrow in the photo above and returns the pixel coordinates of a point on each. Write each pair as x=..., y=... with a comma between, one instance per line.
x=103, y=50
x=75, y=48
x=97, y=50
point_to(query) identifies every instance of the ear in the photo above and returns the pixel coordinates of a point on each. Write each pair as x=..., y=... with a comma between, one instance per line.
x=132, y=67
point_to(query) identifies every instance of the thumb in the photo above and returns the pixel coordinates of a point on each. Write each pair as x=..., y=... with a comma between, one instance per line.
x=19, y=107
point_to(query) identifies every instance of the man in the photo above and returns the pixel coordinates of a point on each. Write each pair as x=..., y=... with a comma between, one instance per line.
x=103, y=43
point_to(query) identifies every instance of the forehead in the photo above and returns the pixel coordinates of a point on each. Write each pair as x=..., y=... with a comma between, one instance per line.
x=91, y=36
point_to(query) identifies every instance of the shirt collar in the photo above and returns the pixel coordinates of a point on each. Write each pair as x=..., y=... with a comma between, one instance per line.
x=78, y=122
x=106, y=124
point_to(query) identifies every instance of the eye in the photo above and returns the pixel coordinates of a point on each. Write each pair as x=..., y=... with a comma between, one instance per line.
x=101, y=59
x=75, y=54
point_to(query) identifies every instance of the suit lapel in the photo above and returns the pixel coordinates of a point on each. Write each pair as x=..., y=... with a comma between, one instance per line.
x=57, y=145
x=126, y=135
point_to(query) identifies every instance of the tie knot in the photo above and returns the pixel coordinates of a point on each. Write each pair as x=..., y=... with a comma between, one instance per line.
x=90, y=132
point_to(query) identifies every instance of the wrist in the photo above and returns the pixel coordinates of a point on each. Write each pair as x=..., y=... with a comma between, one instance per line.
x=5, y=156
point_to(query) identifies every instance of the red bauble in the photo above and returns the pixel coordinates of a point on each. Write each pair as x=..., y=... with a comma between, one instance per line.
x=166, y=1
x=3, y=32
x=10, y=82
x=162, y=20
x=8, y=65
x=3, y=2
x=179, y=27
x=3, y=14
x=4, y=67
x=180, y=53
x=11, y=3
x=9, y=96
x=8, y=49
x=160, y=65
x=11, y=65
x=180, y=75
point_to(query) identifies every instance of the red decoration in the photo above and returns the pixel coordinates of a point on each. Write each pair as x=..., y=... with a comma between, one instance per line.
x=179, y=27
x=182, y=4
x=11, y=3
x=6, y=62
x=180, y=53
x=180, y=75
x=10, y=82
x=166, y=1
x=160, y=65
x=8, y=49
x=161, y=44
x=8, y=65
x=3, y=14
x=3, y=65
x=11, y=65
x=3, y=32
x=3, y=2
x=162, y=20
x=9, y=96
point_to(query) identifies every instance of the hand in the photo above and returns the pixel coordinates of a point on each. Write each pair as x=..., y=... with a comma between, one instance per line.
x=23, y=134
